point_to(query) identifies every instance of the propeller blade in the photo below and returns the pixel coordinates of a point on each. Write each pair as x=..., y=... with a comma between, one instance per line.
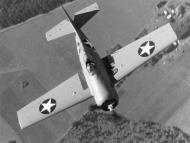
x=94, y=107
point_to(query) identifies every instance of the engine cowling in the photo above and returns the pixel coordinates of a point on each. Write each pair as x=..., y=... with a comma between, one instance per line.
x=105, y=95
x=110, y=104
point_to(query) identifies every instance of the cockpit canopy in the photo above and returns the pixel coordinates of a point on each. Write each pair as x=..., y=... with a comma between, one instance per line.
x=90, y=66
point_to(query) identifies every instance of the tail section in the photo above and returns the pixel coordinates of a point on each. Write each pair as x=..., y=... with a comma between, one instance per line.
x=84, y=15
x=69, y=26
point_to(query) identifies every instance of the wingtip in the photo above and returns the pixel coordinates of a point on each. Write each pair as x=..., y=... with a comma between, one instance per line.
x=19, y=121
x=92, y=7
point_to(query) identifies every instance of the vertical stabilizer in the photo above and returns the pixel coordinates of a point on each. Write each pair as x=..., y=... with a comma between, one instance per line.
x=83, y=16
x=69, y=26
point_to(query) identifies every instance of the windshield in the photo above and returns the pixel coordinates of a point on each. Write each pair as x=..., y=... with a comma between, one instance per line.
x=90, y=66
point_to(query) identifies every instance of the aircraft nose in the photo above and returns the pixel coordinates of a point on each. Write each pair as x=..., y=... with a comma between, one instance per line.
x=110, y=104
x=110, y=107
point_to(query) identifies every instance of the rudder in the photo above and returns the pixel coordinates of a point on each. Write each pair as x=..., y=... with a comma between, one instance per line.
x=68, y=26
x=83, y=16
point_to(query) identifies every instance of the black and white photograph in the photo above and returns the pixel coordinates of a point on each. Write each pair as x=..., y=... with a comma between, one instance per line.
x=94, y=71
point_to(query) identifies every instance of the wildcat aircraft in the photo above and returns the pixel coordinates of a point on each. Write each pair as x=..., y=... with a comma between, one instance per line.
x=98, y=76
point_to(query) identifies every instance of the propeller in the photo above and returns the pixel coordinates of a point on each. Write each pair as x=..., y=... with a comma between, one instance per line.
x=114, y=113
x=94, y=107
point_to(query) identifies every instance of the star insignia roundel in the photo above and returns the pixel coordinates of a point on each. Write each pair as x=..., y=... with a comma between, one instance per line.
x=47, y=106
x=146, y=49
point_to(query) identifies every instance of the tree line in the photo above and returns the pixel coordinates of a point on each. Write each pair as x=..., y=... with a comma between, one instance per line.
x=16, y=11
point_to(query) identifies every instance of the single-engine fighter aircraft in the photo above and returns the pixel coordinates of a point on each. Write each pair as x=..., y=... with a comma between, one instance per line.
x=100, y=74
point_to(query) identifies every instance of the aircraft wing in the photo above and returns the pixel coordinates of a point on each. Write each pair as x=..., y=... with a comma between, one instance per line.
x=128, y=58
x=63, y=96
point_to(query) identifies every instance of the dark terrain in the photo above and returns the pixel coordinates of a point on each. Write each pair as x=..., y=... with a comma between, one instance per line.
x=100, y=127
x=16, y=11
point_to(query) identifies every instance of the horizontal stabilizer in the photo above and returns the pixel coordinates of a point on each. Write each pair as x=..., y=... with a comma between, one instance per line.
x=84, y=15
x=61, y=29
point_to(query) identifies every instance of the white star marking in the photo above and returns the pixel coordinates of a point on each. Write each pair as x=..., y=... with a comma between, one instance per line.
x=47, y=106
x=146, y=48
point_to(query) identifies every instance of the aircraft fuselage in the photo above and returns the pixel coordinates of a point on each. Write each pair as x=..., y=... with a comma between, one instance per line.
x=95, y=73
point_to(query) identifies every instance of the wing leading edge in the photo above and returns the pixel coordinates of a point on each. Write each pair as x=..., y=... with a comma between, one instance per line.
x=63, y=96
x=128, y=58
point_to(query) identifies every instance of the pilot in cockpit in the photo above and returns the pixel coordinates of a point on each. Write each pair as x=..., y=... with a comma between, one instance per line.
x=90, y=66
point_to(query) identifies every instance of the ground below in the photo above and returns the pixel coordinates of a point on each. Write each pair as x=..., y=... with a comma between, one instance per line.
x=108, y=128
x=154, y=92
